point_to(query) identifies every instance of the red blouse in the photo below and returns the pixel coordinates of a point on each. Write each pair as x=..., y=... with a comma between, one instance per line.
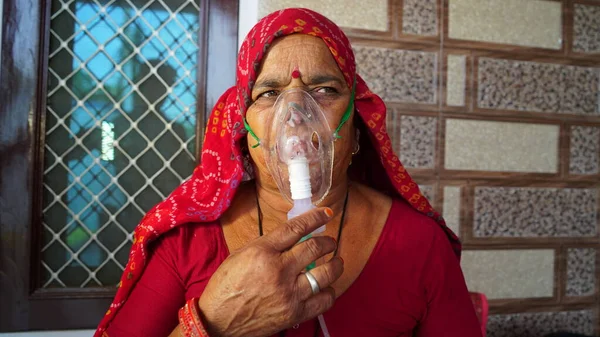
x=412, y=284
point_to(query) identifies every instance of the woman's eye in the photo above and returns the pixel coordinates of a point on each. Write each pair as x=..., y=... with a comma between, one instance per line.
x=268, y=94
x=326, y=90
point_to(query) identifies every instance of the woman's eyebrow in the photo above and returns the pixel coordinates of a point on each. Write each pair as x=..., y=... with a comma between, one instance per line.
x=320, y=79
x=268, y=83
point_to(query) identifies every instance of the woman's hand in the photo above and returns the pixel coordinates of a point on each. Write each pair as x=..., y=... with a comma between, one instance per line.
x=260, y=289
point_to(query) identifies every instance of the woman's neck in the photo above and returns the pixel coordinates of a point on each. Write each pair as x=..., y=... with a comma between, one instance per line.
x=274, y=207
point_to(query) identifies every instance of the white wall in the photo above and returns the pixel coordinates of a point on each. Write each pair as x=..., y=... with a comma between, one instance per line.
x=248, y=17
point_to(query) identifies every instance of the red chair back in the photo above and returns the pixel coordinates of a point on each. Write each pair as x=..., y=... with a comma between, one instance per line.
x=481, y=309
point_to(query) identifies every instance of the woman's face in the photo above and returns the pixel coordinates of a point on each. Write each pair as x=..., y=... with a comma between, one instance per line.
x=320, y=76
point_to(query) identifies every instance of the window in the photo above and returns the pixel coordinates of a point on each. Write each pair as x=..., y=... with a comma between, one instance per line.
x=120, y=129
x=105, y=102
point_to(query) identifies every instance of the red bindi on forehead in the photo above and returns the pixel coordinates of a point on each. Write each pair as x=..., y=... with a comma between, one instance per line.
x=296, y=73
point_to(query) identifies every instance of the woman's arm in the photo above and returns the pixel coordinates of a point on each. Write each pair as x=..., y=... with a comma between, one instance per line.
x=450, y=312
x=151, y=308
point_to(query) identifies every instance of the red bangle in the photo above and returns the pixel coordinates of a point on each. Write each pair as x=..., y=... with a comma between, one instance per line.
x=189, y=320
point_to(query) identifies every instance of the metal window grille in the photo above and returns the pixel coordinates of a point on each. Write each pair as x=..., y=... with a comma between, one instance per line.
x=120, y=128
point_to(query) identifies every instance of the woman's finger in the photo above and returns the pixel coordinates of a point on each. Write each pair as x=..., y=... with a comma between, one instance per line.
x=301, y=255
x=288, y=234
x=316, y=305
x=324, y=274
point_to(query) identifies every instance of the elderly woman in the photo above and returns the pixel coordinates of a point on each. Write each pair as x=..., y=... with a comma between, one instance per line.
x=220, y=258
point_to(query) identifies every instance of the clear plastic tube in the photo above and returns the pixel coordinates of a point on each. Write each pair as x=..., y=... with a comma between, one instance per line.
x=323, y=326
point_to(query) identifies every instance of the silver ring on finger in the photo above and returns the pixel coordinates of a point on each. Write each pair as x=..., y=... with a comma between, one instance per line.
x=314, y=286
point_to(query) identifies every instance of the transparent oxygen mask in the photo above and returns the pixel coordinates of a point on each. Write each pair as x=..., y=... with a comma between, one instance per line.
x=299, y=149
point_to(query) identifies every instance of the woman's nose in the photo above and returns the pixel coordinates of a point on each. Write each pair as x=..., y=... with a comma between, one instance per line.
x=296, y=82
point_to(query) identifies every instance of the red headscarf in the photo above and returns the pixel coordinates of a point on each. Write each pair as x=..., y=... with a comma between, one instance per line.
x=206, y=195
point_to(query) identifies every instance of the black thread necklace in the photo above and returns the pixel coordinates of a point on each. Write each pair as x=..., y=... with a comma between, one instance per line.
x=339, y=237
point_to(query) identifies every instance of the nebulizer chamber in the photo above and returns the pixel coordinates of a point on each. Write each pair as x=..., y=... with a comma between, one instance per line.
x=298, y=149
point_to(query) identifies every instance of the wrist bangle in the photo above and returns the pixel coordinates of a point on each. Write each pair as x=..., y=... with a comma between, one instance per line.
x=190, y=321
